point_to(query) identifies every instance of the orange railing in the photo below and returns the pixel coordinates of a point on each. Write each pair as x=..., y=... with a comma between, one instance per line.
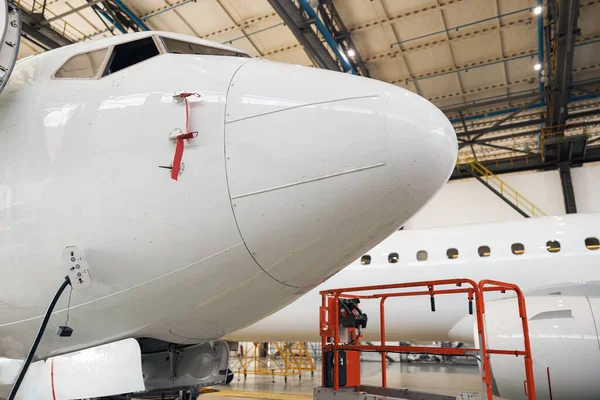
x=330, y=330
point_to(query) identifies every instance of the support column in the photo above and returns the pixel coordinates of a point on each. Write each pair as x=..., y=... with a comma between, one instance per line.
x=567, y=188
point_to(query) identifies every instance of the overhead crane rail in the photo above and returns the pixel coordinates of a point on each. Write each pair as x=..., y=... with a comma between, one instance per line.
x=337, y=339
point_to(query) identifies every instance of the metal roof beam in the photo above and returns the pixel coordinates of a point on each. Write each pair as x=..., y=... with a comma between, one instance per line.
x=495, y=146
x=586, y=90
x=71, y=11
x=517, y=125
x=499, y=122
x=296, y=21
x=525, y=163
x=445, y=41
x=466, y=133
x=32, y=28
x=130, y=14
x=500, y=100
x=565, y=32
x=335, y=25
x=408, y=13
x=456, y=28
x=534, y=131
x=531, y=123
x=313, y=18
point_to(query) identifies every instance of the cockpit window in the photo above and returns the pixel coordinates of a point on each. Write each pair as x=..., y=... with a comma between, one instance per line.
x=82, y=66
x=127, y=54
x=180, y=47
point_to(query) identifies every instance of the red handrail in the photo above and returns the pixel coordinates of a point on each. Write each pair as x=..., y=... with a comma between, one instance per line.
x=329, y=325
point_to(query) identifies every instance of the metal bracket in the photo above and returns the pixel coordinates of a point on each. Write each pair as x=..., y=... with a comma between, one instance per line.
x=173, y=359
x=177, y=98
x=175, y=132
x=170, y=166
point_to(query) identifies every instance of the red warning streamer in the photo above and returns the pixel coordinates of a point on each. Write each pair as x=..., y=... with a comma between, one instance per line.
x=184, y=136
x=52, y=378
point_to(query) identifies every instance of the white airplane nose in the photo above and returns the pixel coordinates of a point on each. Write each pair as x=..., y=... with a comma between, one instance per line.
x=423, y=143
x=328, y=164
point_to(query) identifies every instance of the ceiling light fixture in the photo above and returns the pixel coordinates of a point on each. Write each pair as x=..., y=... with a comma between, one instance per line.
x=537, y=66
x=537, y=10
x=351, y=53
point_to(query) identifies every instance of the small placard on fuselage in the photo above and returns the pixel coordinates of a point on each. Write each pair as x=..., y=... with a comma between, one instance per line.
x=77, y=267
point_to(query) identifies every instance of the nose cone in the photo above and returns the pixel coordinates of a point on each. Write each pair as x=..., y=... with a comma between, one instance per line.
x=422, y=141
x=322, y=165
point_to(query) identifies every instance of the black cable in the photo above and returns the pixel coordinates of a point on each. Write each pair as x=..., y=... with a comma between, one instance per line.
x=38, y=338
x=356, y=338
x=69, y=306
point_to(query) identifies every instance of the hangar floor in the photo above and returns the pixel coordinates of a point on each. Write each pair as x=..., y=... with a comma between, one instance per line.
x=442, y=379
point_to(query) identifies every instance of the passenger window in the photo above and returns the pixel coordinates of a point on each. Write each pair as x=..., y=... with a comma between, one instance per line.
x=484, y=251
x=127, y=54
x=365, y=260
x=553, y=246
x=452, y=253
x=421, y=255
x=181, y=47
x=393, y=258
x=82, y=66
x=592, y=243
x=517, y=248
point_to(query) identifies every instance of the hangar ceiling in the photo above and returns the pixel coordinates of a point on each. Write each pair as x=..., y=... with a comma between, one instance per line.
x=521, y=88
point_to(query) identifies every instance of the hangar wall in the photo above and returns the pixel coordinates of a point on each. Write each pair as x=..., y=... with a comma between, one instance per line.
x=467, y=201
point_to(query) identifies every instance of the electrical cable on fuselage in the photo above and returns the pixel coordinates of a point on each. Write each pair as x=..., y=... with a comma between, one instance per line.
x=13, y=392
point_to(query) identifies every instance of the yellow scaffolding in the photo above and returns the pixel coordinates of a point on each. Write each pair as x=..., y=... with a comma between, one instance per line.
x=284, y=359
x=505, y=189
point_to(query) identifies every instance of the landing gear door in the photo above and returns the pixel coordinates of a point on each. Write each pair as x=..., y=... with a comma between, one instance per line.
x=10, y=28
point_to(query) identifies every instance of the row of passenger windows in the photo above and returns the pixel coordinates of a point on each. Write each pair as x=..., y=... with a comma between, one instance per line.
x=553, y=246
x=88, y=65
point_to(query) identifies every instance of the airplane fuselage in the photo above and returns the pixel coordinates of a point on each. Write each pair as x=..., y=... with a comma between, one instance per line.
x=80, y=167
x=281, y=171
x=571, y=271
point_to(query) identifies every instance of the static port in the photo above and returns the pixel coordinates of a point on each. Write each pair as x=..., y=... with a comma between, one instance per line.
x=78, y=274
x=72, y=259
x=72, y=254
x=77, y=266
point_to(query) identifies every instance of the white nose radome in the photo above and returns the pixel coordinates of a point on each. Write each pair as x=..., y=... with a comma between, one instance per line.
x=321, y=160
x=422, y=142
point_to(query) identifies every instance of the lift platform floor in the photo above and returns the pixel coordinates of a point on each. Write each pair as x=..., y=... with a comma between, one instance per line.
x=444, y=379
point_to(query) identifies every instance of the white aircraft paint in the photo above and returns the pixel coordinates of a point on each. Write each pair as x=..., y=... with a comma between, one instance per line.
x=77, y=374
x=565, y=348
x=294, y=173
x=536, y=269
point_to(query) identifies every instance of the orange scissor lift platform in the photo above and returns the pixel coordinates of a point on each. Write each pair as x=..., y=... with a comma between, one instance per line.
x=346, y=355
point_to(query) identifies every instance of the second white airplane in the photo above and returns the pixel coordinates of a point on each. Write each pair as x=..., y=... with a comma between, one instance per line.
x=555, y=261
